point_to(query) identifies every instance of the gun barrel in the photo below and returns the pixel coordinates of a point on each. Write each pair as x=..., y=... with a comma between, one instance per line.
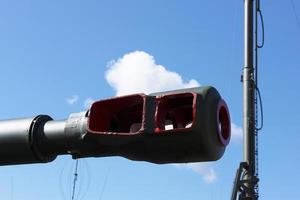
x=17, y=141
x=191, y=125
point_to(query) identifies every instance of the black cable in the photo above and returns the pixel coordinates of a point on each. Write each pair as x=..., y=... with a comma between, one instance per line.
x=261, y=109
x=262, y=29
x=75, y=180
x=257, y=46
x=258, y=14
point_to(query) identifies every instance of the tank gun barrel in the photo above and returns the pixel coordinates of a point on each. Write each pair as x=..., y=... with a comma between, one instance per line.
x=189, y=125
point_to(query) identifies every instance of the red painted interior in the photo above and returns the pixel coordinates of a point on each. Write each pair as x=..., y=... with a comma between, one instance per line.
x=223, y=123
x=119, y=115
x=175, y=109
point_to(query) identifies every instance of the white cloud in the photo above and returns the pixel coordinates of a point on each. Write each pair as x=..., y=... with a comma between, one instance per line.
x=72, y=100
x=138, y=72
x=206, y=170
x=236, y=132
x=87, y=102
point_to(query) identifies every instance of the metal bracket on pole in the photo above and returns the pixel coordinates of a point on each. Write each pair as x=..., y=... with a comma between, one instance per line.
x=243, y=186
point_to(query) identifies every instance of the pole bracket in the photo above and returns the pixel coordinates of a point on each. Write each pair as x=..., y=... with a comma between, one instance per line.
x=242, y=185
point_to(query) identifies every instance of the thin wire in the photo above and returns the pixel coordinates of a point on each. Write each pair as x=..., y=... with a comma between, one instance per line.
x=258, y=14
x=232, y=54
x=258, y=94
x=75, y=180
x=261, y=109
x=85, y=166
x=104, y=183
x=257, y=46
x=61, y=184
x=262, y=29
x=295, y=13
x=256, y=56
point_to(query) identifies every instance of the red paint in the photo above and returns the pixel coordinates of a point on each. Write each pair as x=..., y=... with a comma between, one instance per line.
x=121, y=115
x=223, y=123
x=175, y=109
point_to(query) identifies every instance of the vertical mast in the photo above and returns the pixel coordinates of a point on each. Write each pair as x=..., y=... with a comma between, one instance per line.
x=248, y=88
x=246, y=181
x=249, y=102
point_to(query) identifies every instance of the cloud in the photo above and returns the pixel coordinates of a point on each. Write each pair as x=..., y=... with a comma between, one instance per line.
x=236, y=132
x=72, y=100
x=87, y=102
x=206, y=170
x=138, y=72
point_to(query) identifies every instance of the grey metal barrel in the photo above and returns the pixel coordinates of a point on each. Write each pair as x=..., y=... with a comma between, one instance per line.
x=18, y=141
x=191, y=125
x=40, y=139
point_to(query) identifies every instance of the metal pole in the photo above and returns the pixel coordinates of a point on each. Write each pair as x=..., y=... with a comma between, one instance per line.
x=249, y=103
x=246, y=181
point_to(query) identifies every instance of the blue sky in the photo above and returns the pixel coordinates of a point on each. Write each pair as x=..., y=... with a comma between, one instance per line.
x=53, y=50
